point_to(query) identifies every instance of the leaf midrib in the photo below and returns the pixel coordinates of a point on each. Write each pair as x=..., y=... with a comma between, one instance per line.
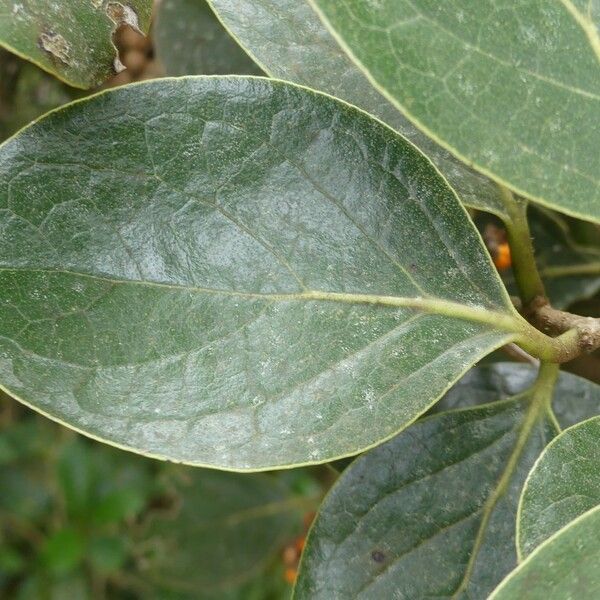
x=506, y=321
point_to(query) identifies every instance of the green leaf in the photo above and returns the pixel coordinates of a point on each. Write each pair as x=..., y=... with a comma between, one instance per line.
x=72, y=39
x=101, y=488
x=76, y=478
x=575, y=398
x=63, y=551
x=24, y=492
x=570, y=269
x=236, y=272
x=512, y=88
x=564, y=483
x=568, y=262
x=107, y=553
x=287, y=39
x=27, y=92
x=566, y=566
x=189, y=40
x=226, y=530
x=432, y=512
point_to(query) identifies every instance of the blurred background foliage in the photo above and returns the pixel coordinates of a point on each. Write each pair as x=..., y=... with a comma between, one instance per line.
x=79, y=519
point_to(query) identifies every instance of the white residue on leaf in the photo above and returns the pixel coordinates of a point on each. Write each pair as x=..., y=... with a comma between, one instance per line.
x=120, y=14
x=369, y=397
x=118, y=66
x=55, y=44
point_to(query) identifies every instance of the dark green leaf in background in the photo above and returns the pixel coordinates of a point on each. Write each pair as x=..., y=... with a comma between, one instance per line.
x=575, y=399
x=432, y=512
x=63, y=551
x=71, y=39
x=564, y=484
x=226, y=529
x=567, y=253
x=235, y=272
x=189, y=40
x=570, y=267
x=287, y=39
x=223, y=533
x=513, y=88
x=26, y=92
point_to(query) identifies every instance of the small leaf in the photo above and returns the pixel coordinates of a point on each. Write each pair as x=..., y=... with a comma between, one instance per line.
x=107, y=553
x=226, y=530
x=564, y=483
x=189, y=40
x=63, y=551
x=289, y=42
x=71, y=39
x=512, y=88
x=567, y=565
x=432, y=512
x=235, y=272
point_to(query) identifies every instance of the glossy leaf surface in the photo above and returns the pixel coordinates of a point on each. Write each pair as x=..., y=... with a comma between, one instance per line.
x=71, y=39
x=289, y=41
x=565, y=566
x=564, y=483
x=512, y=88
x=235, y=272
x=432, y=512
x=189, y=40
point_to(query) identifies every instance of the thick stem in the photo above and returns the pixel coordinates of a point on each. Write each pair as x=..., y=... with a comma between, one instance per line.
x=556, y=322
x=561, y=349
x=524, y=266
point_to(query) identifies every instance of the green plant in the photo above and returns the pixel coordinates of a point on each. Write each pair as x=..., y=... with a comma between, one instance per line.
x=251, y=273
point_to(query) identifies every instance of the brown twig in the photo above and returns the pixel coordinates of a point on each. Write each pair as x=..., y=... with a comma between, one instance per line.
x=555, y=322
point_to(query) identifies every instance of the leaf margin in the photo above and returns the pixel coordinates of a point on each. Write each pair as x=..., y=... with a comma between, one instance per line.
x=448, y=147
x=518, y=333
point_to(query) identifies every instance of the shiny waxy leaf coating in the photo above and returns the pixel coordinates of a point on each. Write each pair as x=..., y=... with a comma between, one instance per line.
x=235, y=272
x=432, y=512
x=289, y=41
x=564, y=483
x=71, y=39
x=189, y=40
x=566, y=566
x=513, y=88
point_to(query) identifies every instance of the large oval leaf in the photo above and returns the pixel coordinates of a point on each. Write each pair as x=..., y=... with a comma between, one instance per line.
x=235, y=272
x=189, y=40
x=565, y=566
x=512, y=88
x=564, y=483
x=432, y=512
x=289, y=41
x=71, y=39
